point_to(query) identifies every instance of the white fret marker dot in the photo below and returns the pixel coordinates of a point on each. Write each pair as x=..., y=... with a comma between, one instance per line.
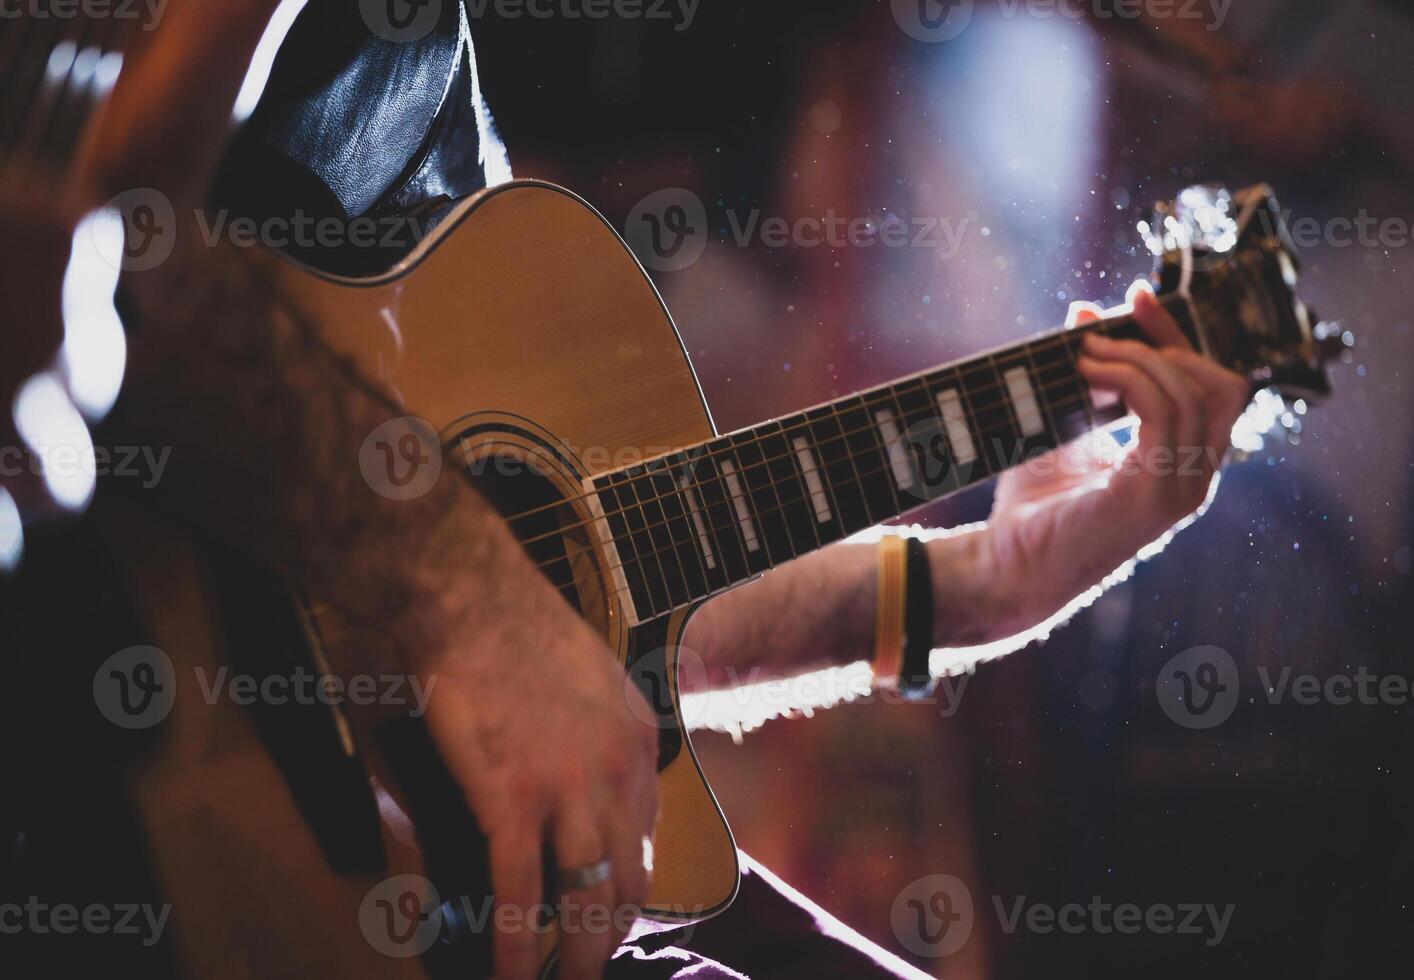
x=898, y=455
x=955, y=421
x=812, y=480
x=743, y=516
x=1023, y=399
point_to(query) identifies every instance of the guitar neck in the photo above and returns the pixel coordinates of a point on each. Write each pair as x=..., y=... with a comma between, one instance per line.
x=693, y=523
x=57, y=64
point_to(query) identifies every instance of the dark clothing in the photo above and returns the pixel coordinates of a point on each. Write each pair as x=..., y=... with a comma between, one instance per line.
x=354, y=125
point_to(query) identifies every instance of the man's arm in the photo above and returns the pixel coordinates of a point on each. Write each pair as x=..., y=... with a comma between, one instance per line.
x=265, y=426
x=1058, y=528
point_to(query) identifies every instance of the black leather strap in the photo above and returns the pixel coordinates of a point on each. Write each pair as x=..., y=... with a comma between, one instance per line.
x=915, y=679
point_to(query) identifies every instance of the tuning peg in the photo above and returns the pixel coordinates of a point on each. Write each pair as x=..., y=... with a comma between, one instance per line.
x=1333, y=341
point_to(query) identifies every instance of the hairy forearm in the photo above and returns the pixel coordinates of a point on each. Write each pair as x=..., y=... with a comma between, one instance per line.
x=265, y=427
x=819, y=611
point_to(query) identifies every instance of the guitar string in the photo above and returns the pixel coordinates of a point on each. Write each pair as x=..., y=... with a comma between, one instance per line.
x=638, y=506
x=1068, y=407
x=641, y=560
x=1044, y=344
x=867, y=400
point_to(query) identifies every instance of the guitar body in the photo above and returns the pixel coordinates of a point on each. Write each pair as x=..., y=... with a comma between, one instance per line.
x=524, y=328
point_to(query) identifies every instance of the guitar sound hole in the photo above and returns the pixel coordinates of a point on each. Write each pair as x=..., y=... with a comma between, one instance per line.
x=549, y=527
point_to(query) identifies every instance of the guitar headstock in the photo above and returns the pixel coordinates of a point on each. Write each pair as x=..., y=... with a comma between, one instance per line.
x=1230, y=254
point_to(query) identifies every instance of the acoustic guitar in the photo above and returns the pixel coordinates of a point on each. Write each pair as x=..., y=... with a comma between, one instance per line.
x=530, y=338
x=526, y=333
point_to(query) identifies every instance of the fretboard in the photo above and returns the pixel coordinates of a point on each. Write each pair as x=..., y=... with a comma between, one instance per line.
x=57, y=64
x=692, y=523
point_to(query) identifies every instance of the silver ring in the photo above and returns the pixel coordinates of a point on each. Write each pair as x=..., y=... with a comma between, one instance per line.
x=589, y=876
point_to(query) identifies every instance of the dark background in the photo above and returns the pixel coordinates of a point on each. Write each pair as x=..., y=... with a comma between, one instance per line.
x=1059, y=778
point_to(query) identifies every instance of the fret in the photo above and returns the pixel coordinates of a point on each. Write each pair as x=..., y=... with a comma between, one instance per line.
x=786, y=533
x=713, y=558
x=841, y=470
x=649, y=518
x=887, y=426
x=808, y=473
x=617, y=503
x=1066, y=391
x=677, y=527
x=946, y=391
x=926, y=438
x=867, y=452
x=1023, y=399
x=985, y=395
x=814, y=484
x=700, y=471
x=744, y=507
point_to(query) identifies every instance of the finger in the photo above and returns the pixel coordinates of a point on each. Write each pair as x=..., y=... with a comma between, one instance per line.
x=1228, y=392
x=1157, y=322
x=631, y=876
x=1082, y=311
x=516, y=868
x=1140, y=392
x=586, y=930
x=1184, y=392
